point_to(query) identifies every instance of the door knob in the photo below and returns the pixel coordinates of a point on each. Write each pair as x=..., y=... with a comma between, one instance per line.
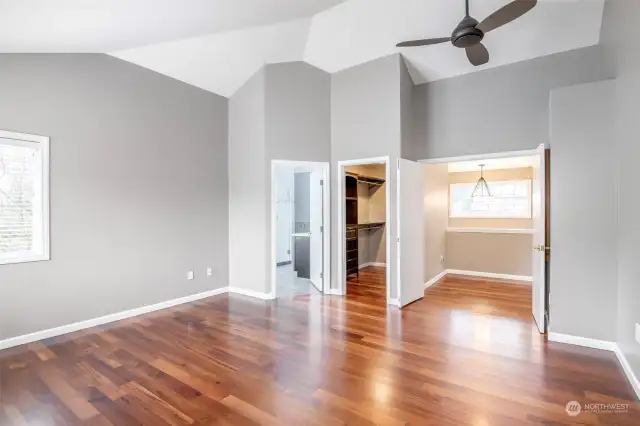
x=540, y=247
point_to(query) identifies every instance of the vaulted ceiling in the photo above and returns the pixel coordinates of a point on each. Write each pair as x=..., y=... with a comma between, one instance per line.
x=218, y=44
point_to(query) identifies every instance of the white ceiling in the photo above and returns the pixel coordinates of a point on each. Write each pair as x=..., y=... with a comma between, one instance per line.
x=218, y=44
x=493, y=164
x=111, y=25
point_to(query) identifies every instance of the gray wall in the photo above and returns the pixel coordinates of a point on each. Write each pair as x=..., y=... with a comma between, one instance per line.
x=282, y=113
x=248, y=195
x=620, y=33
x=507, y=108
x=138, y=188
x=583, y=267
x=365, y=123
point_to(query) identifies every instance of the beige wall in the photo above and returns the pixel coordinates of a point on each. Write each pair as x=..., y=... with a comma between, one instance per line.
x=498, y=253
x=436, y=217
x=489, y=175
x=490, y=252
x=372, y=205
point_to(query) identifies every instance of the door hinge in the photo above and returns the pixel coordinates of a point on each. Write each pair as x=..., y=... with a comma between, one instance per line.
x=398, y=239
x=398, y=164
x=288, y=251
x=321, y=229
x=321, y=275
x=321, y=182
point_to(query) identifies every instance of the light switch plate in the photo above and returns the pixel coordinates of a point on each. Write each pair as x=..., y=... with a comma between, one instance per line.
x=209, y=272
x=638, y=333
x=190, y=275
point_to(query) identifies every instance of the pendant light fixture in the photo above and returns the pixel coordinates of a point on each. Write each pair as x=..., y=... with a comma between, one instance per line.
x=481, y=189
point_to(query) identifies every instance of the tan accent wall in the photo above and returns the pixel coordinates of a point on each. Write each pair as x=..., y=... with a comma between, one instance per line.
x=372, y=207
x=489, y=175
x=490, y=252
x=436, y=215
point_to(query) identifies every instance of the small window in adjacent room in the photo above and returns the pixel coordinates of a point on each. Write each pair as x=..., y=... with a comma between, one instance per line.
x=509, y=199
x=24, y=198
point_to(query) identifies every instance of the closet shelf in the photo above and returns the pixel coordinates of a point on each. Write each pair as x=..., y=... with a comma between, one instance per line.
x=371, y=225
x=370, y=180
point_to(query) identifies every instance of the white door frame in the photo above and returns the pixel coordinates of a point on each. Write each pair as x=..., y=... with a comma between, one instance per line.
x=507, y=154
x=326, y=219
x=342, y=278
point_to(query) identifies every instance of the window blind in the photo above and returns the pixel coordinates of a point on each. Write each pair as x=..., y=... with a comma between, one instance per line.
x=20, y=165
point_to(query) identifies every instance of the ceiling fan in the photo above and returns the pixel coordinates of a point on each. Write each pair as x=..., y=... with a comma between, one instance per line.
x=469, y=33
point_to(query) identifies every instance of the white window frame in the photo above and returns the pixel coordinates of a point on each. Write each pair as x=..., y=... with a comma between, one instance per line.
x=43, y=141
x=478, y=216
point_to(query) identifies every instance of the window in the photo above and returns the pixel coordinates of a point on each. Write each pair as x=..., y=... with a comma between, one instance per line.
x=509, y=199
x=24, y=198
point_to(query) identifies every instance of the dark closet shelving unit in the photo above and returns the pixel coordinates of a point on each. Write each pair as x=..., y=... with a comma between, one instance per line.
x=352, y=225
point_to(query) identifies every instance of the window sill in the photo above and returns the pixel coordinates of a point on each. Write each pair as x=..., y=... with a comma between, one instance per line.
x=492, y=230
x=23, y=259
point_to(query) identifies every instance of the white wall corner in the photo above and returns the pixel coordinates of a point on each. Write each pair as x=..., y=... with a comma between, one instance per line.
x=626, y=367
x=435, y=279
x=250, y=293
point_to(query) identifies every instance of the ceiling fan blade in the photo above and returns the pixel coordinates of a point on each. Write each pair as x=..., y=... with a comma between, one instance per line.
x=423, y=42
x=477, y=54
x=506, y=14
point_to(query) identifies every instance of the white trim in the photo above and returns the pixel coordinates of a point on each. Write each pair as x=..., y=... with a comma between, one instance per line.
x=602, y=345
x=326, y=202
x=490, y=275
x=81, y=325
x=251, y=293
x=435, y=279
x=581, y=341
x=365, y=265
x=394, y=302
x=492, y=230
x=633, y=379
x=43, y=141
x=341, y=276
x=524, y=153
x=333, y=292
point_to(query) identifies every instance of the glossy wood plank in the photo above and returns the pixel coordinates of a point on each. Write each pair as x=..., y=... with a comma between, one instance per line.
x=467, y=354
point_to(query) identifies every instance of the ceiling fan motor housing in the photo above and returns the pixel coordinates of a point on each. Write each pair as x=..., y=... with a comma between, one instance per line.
x=466, y=34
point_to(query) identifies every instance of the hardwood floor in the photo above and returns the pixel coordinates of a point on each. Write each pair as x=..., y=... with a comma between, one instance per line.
x=467, y=354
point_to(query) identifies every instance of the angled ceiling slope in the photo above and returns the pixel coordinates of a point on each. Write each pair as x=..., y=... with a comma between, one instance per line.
x=357, y=31
x=102, y=26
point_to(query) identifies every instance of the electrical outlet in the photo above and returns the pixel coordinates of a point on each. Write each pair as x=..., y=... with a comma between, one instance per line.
x=441, y=258
x=209, y=272
x=638, y=333
x=190, y=275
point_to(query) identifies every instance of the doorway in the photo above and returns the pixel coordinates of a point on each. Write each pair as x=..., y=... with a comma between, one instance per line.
x=486, y=218
x=365, y=229
x=299, y=228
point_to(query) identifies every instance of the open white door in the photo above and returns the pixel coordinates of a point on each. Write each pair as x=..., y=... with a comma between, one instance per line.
x=538, y=197
x=410, y=231
x=316, y=228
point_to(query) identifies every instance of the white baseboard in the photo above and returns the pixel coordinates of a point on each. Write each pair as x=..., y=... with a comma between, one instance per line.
x=394, y=302
x=435, y=279
x=333, y=292
x=582, y=341
x=490, y=275
x=250, y=293
x=633, y=379
x=604, y=345
x=81, y=325
x=365, y=265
